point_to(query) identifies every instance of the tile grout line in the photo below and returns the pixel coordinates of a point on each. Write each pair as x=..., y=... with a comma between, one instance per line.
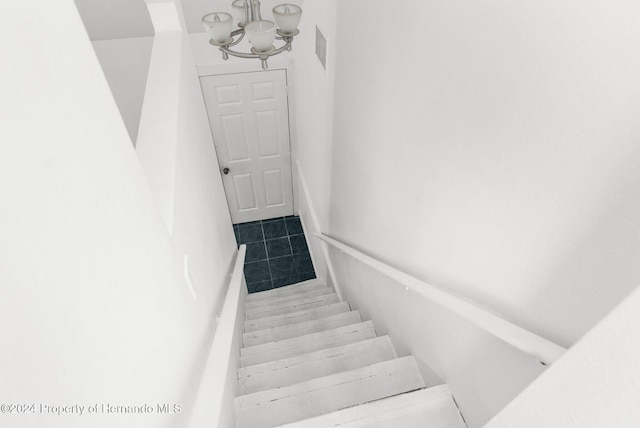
x=297, y=273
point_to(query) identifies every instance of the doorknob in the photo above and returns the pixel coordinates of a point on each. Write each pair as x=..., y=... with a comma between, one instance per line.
x=225, y=171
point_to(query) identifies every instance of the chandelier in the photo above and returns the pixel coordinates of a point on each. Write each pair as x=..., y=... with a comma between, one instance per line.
x=261, y=33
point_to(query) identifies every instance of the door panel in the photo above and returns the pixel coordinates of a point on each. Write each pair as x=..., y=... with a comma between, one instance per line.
x=233, y=126
x=263, y=91
x=249, y=118
x=274, y=188
x=268, y=138
x=244, y=191
x=229, y=95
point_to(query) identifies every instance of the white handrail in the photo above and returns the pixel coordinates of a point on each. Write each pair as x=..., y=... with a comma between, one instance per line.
x=545, y=351
x=215, y=397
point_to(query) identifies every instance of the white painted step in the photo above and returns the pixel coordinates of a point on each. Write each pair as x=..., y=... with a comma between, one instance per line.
x=425, y=408
x=279, y=301
x=327, y=394
x=275, y=334
x=295, y=317
x=286, y=302
x=308, y=343
x=289, y=371
x=286, y=290
x=311, y=302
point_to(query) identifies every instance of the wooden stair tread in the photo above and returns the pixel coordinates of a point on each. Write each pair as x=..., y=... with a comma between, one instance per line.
x=310, y=362
x=327, y=394
x=289, y=371
x=426, y=408
x=307, y=343
x=295, y=317
x=288, y=302
x=286, y=290
x=296, y=306
x=275, y=334
x=282, y=301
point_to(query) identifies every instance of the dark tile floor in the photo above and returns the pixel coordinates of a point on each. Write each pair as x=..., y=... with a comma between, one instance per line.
x=277, y=253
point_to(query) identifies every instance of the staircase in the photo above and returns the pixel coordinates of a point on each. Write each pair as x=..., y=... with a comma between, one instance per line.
x=308, y=360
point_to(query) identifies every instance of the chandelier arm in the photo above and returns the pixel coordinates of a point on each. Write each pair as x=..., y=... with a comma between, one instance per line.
x=281, y=49
x=228, y=51
x=255, y=55
x=240, y=32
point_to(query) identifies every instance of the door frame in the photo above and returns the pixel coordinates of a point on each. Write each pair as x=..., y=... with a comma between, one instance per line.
x=251, y=67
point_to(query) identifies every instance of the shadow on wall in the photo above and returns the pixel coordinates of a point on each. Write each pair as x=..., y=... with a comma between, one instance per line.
x=601, y=268
x=125, y=64
x=483, y=372
x=447, y=348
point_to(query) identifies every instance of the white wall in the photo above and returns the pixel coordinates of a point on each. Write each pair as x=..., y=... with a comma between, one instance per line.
x=313, y=112
x=201, y=219
x=507, y=144
x=125, y=63
x=158, y=133
x=491, y=150
x=595, y=385
x=314, y=101
x=95, y=308
x=483, y=372
x=177, y=153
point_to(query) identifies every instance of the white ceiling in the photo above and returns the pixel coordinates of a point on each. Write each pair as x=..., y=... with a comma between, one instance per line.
x=120, y=19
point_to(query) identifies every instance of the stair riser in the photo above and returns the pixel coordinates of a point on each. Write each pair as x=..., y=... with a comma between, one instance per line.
x=282, y=333
x=432, y=407
x=314, y=303
x=281, y=301
x=283, y=405
x=318, y=364
x=288, y=303
x=295, y=317
x=305, y=344
x=285, y=291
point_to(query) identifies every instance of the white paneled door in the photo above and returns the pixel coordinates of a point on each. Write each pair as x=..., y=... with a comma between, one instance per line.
x=249, y=118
